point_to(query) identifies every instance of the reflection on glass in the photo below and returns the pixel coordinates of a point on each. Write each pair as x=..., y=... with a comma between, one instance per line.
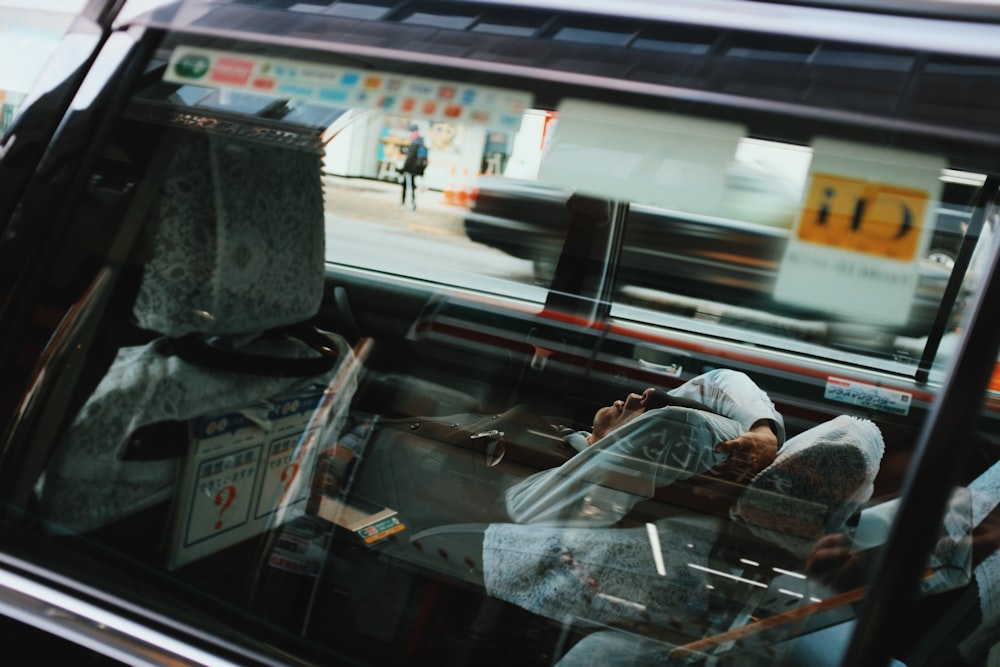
x=364, y=174
x=713, y=270
x=360, y=10
x=30, y=28
x=697, y=522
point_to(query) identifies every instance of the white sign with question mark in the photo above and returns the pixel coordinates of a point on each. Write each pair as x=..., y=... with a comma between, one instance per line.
x=242, y=468
x=225, y=484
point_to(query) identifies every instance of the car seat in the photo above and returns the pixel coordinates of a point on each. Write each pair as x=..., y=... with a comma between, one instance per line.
x=965, y=628
x=236, y=273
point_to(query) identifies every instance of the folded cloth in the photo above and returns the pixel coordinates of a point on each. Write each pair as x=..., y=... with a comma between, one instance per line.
x=818, y=480
x=666, y=574
x=608, y=575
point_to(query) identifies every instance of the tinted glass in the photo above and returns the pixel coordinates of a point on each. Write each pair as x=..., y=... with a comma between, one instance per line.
x=393, y=364
x=31, y=28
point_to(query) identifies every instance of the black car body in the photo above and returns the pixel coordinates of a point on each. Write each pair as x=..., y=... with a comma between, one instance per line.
x=255, y=412
x=727, y=260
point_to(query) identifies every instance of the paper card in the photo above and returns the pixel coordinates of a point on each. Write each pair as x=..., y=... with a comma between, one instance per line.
x=241, y=471
x=648, y=157
x=866, y=219
x=381, y=529
x=353, y=514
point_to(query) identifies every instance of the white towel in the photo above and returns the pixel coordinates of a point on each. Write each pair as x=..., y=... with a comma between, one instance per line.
x=818, y=480
x=605, y=575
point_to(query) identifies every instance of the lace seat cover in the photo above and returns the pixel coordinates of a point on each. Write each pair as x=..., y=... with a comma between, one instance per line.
x=818, y=480
x=607, y=574
x=238, y=250
x=239, y=241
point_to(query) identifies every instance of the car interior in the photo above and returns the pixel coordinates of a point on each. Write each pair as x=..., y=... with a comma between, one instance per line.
x=269, y=395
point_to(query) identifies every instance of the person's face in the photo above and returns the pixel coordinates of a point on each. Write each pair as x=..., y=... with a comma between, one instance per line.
x=618, y=413
x=442, y=135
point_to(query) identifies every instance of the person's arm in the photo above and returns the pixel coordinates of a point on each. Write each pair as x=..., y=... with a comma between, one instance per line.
x=604, y=481
x=735, y=395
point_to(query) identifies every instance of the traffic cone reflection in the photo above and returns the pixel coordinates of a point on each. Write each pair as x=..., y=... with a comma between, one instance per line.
x=462, y=191
x=450, y=190
x=473, y=190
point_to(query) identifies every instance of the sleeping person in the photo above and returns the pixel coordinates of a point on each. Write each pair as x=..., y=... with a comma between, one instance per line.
x=564, y=552
x=718, y=424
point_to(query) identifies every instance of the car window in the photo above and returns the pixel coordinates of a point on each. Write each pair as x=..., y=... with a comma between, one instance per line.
x=359, y=350
x=34, y=27
x=427, y=214
x=741, y=271
x=714, y=255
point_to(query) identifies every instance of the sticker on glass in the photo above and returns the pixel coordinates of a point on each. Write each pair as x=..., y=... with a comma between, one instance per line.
x=868, y=396
x=426, y=99
x=648, y=157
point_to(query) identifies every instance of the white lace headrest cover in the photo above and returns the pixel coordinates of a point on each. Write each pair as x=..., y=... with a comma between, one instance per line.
x=819, y=478
x=239, y=244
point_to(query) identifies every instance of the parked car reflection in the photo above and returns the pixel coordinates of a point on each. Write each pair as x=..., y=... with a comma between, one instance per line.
x=731, y=259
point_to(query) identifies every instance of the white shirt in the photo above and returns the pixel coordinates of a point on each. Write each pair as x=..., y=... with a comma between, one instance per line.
x=604, y=481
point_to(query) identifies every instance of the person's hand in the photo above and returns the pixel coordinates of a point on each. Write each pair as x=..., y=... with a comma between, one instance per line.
x=749, y=453
x=986, y=537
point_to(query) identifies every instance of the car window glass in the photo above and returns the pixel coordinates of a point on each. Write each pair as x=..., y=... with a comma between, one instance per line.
x=499, y=194
x=731, y=269
x=446, y=211
x=357, y=359
x=28, y=27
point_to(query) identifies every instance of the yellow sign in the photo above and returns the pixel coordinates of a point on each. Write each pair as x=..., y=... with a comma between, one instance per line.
x=871, y=218
x=866, y=221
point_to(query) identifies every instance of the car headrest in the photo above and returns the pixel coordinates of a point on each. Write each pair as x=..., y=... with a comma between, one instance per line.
x=818, y=480
x=239, y=241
